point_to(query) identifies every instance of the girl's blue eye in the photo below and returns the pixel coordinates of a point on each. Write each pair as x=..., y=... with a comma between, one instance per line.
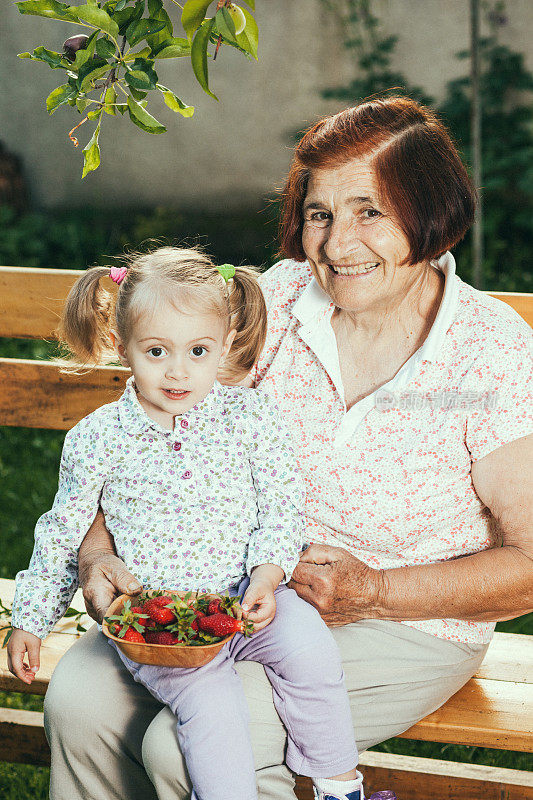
x=198, y=350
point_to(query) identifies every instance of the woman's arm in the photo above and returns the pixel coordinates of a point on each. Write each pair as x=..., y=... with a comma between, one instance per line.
x=493, y=584
x=102, y=574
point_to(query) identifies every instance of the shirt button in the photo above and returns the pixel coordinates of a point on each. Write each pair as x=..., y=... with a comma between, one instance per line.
x=184, y=423
x=187, y=474
x=177, y=446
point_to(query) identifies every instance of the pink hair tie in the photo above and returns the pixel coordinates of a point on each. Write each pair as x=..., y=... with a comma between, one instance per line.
x=118, y=274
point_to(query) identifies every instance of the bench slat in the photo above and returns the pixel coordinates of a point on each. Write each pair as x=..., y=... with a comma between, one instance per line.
x=58, y=400
x=31, y=300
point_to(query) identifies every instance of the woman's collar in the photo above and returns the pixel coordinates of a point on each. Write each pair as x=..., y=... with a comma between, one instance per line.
x=315, y=304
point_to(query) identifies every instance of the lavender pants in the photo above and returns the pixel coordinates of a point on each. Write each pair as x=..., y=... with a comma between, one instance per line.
x=303, y=665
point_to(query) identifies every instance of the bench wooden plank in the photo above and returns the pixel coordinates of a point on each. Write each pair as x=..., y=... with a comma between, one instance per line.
x=58, y=400
x=496, y=714
x=429, y=779
x=31, y=300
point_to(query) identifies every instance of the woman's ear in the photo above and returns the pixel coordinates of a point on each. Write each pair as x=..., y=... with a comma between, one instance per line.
x=120, y=350
x=227, y=344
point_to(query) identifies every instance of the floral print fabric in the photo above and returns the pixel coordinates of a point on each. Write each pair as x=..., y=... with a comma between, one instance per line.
x=390, y=479
x=193, y=508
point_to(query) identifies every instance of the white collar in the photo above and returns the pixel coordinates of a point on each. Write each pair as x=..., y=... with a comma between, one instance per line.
x=314, y=308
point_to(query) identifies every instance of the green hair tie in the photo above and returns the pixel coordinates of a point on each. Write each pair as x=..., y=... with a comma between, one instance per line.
x=227, y=271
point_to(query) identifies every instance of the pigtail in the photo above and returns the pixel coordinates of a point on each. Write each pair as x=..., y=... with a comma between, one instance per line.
x=249, y=318
x=86, y=322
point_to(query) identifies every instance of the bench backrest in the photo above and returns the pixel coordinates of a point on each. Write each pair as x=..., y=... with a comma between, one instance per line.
x=30, y=306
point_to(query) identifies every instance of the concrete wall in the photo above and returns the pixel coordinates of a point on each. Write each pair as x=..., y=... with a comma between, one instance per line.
x=235, y=152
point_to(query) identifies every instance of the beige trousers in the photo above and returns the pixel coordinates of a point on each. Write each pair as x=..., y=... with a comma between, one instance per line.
x=111, y=740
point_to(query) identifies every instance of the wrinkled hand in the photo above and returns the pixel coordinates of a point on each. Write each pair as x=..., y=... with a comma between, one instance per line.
x=103, y=576
x=340, y=586
x=259, y=604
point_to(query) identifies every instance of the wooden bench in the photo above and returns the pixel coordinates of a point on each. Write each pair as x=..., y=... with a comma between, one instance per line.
x=494, y=709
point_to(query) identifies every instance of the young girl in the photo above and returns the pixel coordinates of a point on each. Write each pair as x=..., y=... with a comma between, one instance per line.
x=199, y=489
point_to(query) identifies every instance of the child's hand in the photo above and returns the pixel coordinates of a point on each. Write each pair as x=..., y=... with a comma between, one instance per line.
x=19, y=643
x=259, y=597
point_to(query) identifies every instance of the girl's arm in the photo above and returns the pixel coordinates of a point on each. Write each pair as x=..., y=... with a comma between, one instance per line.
x=279, y=490
x=44, y=591
x=493, y=584
x=102, y=574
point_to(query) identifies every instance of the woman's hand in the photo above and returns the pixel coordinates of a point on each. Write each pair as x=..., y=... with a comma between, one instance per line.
x=341, y=587
x=20, y=643
x=103, y=576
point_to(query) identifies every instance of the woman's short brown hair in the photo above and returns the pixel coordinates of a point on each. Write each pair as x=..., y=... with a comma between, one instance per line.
x=420, y=175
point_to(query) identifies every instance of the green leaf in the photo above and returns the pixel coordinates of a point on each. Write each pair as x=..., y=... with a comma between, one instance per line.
x=173, y=48
x=193, y=15
x=58, y=97
x=199, y=56
x=250, y=3
x=91, y=153
x=141, y=75
x=143, y=119
x=81, y=104
x=156, y=39
x=91, y=71
x=128, y=15
x=105, y=48
x=140, y=29
x=95, y=114
x=54, y=60
x=225, y=25
x=122, y=107
x=99, y=18
x=135, y=93
x=120, y=5
x=249, y=38
x=175, y=103
x=48, y=8
x=110, y=100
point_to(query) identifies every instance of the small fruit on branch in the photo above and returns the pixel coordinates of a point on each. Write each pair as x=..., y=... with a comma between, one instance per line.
x=73, y=44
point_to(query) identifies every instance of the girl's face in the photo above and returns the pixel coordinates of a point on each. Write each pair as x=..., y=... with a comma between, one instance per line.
x=174, y=358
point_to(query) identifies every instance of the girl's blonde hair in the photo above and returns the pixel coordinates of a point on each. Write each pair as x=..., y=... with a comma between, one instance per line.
x=184, y=276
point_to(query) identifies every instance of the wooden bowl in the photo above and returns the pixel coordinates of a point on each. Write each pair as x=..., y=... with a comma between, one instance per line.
x=163, y=655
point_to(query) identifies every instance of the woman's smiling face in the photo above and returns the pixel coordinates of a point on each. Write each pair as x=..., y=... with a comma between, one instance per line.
x=354, y=244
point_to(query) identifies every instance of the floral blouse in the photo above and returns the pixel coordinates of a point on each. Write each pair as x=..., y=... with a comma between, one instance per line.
x=193, y=508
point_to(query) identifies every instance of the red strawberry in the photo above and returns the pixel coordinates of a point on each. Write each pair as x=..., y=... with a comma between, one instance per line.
x=224, y=625
x=161, y=600
x=199, y=615
x=161, y=637
x=214, y=606
x=132, y=635
x=157, y=612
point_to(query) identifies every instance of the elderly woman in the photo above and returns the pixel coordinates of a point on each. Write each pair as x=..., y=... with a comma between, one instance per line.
x=408, y=394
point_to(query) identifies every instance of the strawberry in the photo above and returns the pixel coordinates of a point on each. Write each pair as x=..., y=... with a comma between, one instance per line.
x=214, y=606
x=161, y=637
x=199, y=614
x=158, y=612
x=131, y=635
x=161, y=600
x=224, y=625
